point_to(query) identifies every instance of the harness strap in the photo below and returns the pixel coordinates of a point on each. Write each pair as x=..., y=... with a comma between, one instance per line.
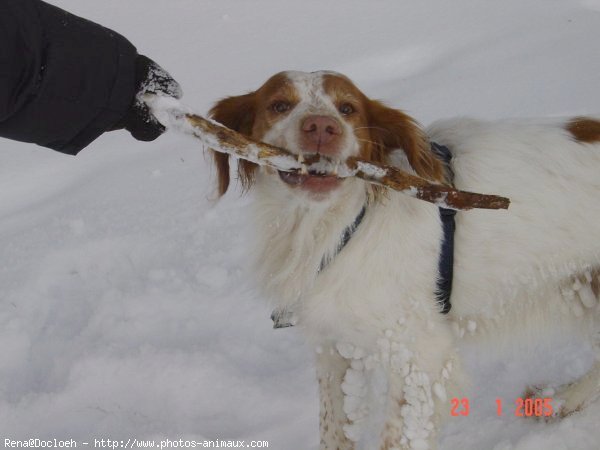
x=346, y=236
x=446, y=261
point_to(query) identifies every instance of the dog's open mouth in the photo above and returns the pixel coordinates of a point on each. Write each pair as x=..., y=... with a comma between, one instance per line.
x=314, y=181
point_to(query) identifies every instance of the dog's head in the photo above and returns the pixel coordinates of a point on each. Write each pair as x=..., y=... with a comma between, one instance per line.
x=320, y=112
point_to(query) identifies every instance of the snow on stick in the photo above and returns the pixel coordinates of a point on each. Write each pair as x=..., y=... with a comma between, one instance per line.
x=173, y=115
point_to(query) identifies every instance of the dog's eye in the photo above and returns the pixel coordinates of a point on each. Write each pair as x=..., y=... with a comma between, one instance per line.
x=280, y=107
x=346, y=109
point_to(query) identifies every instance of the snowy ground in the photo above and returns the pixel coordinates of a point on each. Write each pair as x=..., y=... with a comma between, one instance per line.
x=125, y=305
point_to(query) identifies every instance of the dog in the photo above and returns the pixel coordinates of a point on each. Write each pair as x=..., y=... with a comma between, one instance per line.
x=357, y=267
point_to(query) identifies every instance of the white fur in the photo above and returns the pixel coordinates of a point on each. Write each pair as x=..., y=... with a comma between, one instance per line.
x=389, y=362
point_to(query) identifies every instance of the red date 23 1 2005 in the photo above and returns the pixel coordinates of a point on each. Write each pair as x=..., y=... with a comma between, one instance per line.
x=525, y=407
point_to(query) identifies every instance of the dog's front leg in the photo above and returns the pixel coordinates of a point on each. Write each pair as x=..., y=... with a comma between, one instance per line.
x=419, y=385
x=411, y=418
x=331, y=368
x=392, y=433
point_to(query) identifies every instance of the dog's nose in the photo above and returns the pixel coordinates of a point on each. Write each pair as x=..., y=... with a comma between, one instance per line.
x=321, y=134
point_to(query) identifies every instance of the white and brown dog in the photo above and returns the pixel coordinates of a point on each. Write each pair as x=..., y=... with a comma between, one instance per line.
x=387, y=361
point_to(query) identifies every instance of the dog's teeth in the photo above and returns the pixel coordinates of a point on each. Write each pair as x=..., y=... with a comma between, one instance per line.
x=303, y=169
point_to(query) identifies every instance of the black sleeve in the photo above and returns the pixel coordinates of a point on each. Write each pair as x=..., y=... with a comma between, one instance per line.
x=63, y=80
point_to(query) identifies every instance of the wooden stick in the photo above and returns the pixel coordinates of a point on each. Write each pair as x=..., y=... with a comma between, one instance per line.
x=219, y=138
x=439, y=194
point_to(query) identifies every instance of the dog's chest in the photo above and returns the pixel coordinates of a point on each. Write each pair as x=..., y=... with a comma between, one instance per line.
x=386, y=272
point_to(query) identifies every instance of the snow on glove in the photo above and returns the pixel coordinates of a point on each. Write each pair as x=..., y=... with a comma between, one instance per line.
x=149, y=78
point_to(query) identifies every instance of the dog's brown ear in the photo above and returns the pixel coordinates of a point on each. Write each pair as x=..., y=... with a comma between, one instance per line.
x=237, y=113
x=391, y=130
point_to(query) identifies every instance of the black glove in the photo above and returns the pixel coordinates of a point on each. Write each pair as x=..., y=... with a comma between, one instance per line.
x=149, y=78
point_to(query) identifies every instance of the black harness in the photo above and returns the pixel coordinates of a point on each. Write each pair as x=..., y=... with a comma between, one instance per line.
x=446, y=262
x=346, y=236
x=283, y=319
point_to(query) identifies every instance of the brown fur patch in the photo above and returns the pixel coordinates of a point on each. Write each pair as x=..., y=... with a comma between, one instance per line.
x=238, y=114
x=594, y=282
x=584, y=129
x=392, y=129
x=278, y=88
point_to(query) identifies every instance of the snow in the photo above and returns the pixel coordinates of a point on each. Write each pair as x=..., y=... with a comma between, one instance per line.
x=126, y=305
x=371, y=170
